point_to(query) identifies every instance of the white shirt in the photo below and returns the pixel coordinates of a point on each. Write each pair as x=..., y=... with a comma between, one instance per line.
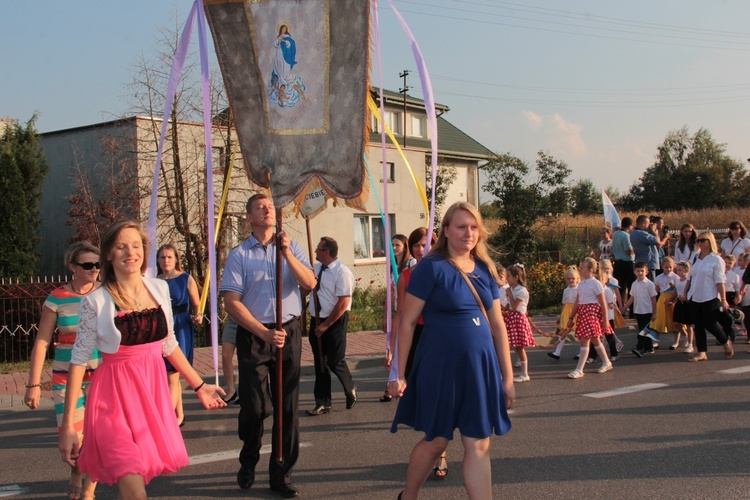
x=504, y=295
x=684, y=255
x=666, y=281
x=642, y=291
x=520, y=293
x=734, y=282
x=96, y=322
x=680, y=285
x=736, y=247
x=336, y=281
x=589, y=291
x=705, y=274
x=609, y=297
x=605, y=249
x=570, y=294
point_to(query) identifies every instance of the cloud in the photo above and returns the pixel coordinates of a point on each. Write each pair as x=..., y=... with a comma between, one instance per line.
x=562, y=138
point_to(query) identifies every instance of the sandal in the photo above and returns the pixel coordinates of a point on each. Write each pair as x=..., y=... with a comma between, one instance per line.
x=385, y=398
x=698, y=358
x=72, y=490
x=441, y=468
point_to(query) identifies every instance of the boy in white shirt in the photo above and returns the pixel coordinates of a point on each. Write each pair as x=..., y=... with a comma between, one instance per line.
x=643, y=298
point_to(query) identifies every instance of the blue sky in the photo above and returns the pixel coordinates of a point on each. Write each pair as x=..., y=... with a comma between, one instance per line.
x=596, y=84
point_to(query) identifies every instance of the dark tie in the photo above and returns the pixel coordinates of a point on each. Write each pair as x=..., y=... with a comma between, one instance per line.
x=323, y=267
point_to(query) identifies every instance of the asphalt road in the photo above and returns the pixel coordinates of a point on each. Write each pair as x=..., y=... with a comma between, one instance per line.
x=684, y=435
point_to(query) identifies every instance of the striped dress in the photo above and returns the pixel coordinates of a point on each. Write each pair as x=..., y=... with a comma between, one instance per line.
x=64, y=304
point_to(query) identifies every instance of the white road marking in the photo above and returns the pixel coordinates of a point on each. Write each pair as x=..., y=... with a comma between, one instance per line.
x=220, y=456
x=624, y=390
x=12, y=490
x=734, y=371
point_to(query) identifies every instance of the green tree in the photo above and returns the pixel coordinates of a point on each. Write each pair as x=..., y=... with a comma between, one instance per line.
x=585, y=198
x=524, y=198
x=22, y=170
x=692, y=172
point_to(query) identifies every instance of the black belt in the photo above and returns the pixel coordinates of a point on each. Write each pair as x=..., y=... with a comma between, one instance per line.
x=180, y=309
x=272, y=326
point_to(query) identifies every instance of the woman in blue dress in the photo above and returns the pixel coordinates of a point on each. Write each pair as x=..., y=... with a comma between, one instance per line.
x=462, y=377
x=183, y=290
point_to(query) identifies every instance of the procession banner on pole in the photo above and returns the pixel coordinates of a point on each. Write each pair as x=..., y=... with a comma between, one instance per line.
x=297, y=77
x=610, y=212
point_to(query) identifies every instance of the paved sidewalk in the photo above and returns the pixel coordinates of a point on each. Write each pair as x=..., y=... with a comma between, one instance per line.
x=364, y=349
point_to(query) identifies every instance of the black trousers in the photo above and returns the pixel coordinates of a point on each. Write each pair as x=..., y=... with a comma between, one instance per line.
x=643, y=343
x=334, y=351
x=623, y=272
x=257, y=372
x=706, y=317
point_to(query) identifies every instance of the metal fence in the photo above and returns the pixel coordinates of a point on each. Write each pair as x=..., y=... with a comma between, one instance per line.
x=20, y=309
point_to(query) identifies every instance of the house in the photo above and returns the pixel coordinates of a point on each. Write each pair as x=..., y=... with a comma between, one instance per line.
x=127, y=148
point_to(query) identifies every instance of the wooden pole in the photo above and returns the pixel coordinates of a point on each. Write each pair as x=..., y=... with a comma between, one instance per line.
x=316, y=307
x=278, y=412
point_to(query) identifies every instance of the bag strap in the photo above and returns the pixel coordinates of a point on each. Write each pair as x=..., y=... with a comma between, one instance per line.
x=473, y=290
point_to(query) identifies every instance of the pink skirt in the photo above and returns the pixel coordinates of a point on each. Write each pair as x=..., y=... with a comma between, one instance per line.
x=589, y=321
x=519, y=329
x=130, y=424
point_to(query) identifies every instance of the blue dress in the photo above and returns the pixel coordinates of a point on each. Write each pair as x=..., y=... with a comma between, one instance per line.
x=184, y=330
x=455, y=382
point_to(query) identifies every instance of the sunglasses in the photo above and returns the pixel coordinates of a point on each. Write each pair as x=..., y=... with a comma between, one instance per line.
x=701, y=240
x=88, y=266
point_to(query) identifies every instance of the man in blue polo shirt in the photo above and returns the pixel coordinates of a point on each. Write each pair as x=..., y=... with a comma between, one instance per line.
x=622, y=252
x=646, y=245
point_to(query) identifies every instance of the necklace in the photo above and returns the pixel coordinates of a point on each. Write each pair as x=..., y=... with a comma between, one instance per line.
x=73, y=288
x=133, y=299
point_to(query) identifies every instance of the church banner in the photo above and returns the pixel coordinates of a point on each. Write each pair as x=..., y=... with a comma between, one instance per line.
x=296, y=74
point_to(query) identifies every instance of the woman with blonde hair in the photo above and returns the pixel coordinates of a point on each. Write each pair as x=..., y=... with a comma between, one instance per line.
x=131, y=432
x=707, y=295
x=60, y=311
x=462, y=377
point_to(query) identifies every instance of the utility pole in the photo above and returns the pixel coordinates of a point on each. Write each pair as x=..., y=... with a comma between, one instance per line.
x=404, y=91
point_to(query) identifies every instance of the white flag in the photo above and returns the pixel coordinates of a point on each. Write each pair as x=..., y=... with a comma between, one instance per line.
x=610, y=212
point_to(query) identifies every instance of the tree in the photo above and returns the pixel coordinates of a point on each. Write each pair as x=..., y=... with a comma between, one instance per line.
x=105, y=192
x=690, y=172
x=524, y=199
x=446, y=175
x=585, y=198
x=23, y=167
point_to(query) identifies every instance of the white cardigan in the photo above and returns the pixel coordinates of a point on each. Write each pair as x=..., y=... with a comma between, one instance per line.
x=96, y=322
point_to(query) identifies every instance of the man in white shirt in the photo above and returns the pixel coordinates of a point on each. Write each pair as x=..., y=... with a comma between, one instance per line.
x=329, y=308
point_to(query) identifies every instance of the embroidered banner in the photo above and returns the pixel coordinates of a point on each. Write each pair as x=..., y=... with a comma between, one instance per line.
x=297, y=77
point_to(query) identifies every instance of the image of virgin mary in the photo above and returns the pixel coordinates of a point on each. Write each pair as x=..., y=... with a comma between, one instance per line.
x=286, y=88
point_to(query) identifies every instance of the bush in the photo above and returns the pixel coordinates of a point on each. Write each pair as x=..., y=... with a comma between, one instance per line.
x=368, y=305
x=546, y=282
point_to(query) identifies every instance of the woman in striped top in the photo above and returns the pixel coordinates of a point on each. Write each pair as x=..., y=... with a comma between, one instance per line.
x=60, y=311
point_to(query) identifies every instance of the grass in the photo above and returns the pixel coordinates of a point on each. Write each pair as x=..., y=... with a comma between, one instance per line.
x=20, y=367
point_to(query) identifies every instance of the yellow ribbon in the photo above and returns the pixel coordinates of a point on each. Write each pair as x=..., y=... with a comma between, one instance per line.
x=376, y=113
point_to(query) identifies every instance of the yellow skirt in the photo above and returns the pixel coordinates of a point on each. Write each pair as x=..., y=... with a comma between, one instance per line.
x=664, y=313
x=619, y=320
x=562, y=323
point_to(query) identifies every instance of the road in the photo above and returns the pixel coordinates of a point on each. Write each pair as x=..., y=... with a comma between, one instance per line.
x=666, y=429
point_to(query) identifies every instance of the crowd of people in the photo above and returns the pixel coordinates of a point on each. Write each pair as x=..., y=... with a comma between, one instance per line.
x=120, y=406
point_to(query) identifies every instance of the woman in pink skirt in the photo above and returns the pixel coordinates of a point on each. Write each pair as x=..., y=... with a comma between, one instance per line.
x=592, y=321
x=516, y=321
x=131, y=433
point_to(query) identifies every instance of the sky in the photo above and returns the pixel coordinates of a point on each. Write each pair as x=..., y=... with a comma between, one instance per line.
x=595, y=84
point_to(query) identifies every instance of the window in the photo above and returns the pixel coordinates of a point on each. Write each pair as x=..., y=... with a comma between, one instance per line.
x=392, y=118
x=369, y=236
x=418, y=126
x=390, y=172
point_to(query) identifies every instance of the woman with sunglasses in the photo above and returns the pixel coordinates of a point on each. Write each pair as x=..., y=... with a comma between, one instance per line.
x=707, y=295
x=736, y=242
x=60, y=311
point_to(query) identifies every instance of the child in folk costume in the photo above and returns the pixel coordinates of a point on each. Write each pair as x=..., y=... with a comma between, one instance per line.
x=665, y=287
x=590, y=314
x=681, y=316
x=614, y=285
x=568, y=299
x=516, y=322
x=609, y=333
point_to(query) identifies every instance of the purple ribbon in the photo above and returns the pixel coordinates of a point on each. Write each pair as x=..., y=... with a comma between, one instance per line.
x=174, y=80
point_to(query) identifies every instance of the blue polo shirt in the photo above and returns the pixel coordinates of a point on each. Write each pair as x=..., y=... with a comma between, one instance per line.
x=621, y=246
x=645, y=248
x=250, y=271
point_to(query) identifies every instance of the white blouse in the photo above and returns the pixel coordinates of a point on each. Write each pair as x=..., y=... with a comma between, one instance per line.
x=96, y=322
x=520, y=292
x=705, y=274
x=589, y=291
x=570, y=294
